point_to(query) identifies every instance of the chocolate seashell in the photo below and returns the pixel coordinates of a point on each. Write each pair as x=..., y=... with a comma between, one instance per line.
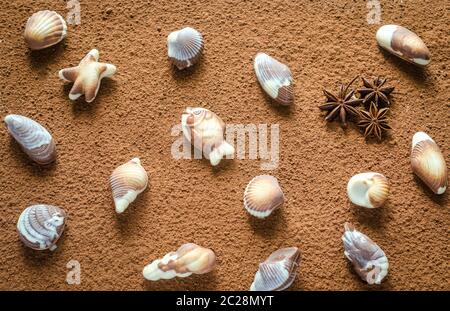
x=278, y=272
x=204, y=130
x=368, y=259
x=428, y=163
x=40, y=226
x=403, y=43
x=34, y=139
x=44, y=29
x=184, y=47
x=262, y=196
x=188, y=259
x=275, y=78
x=368, y=189
x=127, y=181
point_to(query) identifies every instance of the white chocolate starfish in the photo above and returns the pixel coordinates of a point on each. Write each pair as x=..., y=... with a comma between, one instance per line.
x=86, y=77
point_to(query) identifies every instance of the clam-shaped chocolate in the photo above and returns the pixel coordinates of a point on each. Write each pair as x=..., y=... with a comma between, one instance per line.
x=44, y=29
x=184, y=47
x=368, y=189
x=278, y=272
x=127, y=181
x=40, y=226
x=275, y=78
x=188, y=259
x=368, y=259
x=262, y=196
x=428, y=163
x=403, y=43
x=34, y=139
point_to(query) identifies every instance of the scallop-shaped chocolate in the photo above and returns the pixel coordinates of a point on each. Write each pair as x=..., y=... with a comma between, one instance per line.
x=40, y=226
x=403, y=43
x=278, y=272
x=275, y=78
x=34, y=139
x=262, y=196
x=428, y=163
x=184, y=47
x=127, y=181
x=44, y=29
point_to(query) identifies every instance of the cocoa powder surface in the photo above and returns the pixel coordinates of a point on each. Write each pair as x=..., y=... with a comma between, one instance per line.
x=323, y=42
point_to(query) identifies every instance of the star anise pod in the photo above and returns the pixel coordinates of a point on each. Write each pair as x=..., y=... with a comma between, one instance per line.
x=375, y=92
x=342, y=104
x=373, y=121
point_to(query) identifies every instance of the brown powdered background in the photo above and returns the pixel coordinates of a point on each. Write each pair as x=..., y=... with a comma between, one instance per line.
x=323, y=42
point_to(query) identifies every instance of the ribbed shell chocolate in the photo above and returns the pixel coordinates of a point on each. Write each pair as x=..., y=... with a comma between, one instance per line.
x=34, y=139
x=428, y=163
x=44, y=29
x=184, y=47
x=368, y=189
x=262, y=196
x=275, y=78
x=40, y=226
x=127, y=181
x=278, y=272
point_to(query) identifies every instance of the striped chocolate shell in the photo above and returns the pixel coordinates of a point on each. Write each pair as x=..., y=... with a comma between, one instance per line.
x=40, y=226
x=278, y=272
x=44, y=29
x=275, y=78
x=428, y=163
x=262, y=196
x=34, y=139
x=127, y=181
x=184, y=47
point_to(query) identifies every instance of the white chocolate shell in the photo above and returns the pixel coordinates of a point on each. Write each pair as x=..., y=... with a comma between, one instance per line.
x=368, y=189
x=34, y=139
x=184, y=47
x=188, y=259
x=403, y=43
x=275, y=78
x=40, y=226
x=368, y=259
x=428, y=163
x=278, y=272
x=127, y=181
x=262, y=196
x=44, y=29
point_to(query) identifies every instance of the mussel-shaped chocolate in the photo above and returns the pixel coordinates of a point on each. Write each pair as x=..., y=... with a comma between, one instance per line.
x=40, y=226
x=278, y=272
x=127, y=181
x=34, y=139
x=428, y=163
x=262, y=196
x=188, y=259
x=368, y=189
x=184, y=47
x=403, y=43
x=44, y=29
x=368, y=259
x=275, y=78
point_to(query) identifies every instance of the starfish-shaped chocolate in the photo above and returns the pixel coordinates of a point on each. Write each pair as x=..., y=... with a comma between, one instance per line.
x=341, y=105
x=86, y=77
x=375, y=92
x=373, y=121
